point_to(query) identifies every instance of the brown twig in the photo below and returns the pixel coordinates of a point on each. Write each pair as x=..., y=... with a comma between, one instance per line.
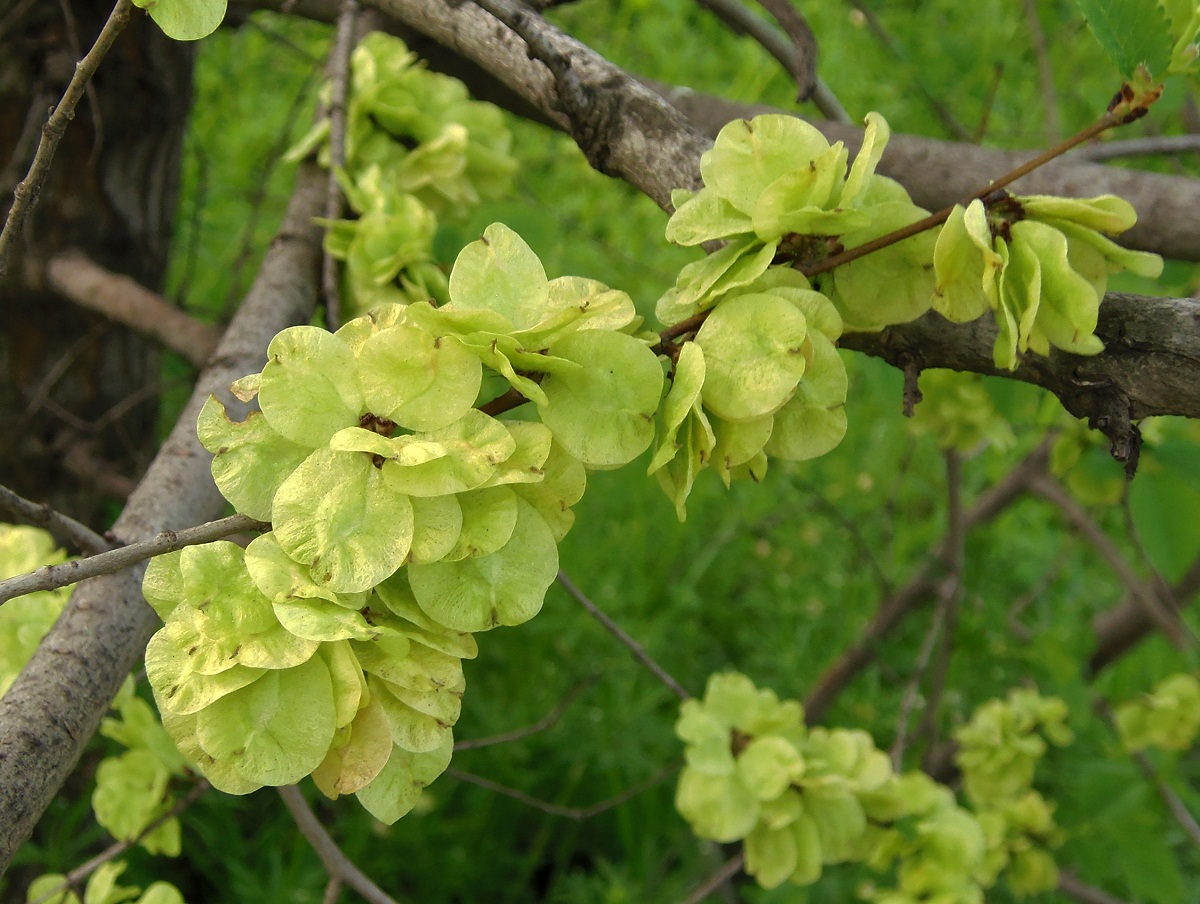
x=1081, y=891
x=89, y=88
x=1121, y=628
x=1037, y=37
x=51, y=577
x=545, y=723
x=943, y=112
x=578, y=814
x=742, y=21
x=81, y=872
x=42, y=515
x=727, y=871
x=339, y=78
x=953, y=589
x=893, y=610
x=804, y=44
x=25, y=196
x=339, y=867
x=118, y=297
x=912, y=692
x=613, y=628
x=1159, y=611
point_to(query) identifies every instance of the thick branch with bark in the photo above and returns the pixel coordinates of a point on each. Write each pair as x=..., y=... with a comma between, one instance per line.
x=56, y=703
x=1150, y=364
x=116, y=296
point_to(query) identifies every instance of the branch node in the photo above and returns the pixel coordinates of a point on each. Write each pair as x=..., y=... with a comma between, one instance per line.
x=912, y=367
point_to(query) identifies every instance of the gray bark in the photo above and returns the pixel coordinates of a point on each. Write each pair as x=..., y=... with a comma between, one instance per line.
x=55, y=705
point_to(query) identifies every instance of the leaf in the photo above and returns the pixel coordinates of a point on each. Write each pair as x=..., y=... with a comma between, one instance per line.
x=753, y=356
x=437, y=523
x=771, y=855
x=1150, y=866
x=488, y=519
x=419, y=380
x=705, y=217
x=604, y=414
x=343, y=518
x=277, y=730
x=185, y=20
x=1131, y=32
x=718, y=807
x=683, y=394
x=179, y=686
x=250, y=460
x=500, y=273
x=748, y=155
x=310, y=386
x=354, y=764
x=454, y=459
x=397, y=788
x=505, y=588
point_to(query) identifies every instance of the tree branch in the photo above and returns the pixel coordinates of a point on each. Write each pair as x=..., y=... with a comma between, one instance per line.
x=78, y=535
x=339, y=867
x=1158, y=610
x=25, y=196
x=75, y=276
x=619, y=633
x=1120, y=629
x=896, y=607
x=1150, y=364
x=579, y=814
x=56, y=703
x=624, y=129
x=51, y=577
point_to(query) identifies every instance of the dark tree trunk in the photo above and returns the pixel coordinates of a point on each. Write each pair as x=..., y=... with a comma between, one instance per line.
x=78, y=395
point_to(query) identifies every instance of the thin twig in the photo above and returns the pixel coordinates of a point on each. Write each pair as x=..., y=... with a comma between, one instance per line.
x=51, y=577
x=613, y=628
x=953, y=589
x=25, y=196
x=545, y=723
x=1107, y=121
x=1037, y=37
x=730, y=869
x=339, y=77
x=1119, y=629
x=76, y=876
x=1178, y=809
x=743, y=21
x=804, y=44
x=896, y=607
x=333, y=891
x=912, y=693
x=943, y=112
x=42, y=515
x=122, y=299
x=89, y=89
x=579, y=814
x=1081, y=891
x=1168, y=622
x=336, y=863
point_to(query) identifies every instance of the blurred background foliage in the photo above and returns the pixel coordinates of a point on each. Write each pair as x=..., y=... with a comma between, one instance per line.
x=773, y=580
